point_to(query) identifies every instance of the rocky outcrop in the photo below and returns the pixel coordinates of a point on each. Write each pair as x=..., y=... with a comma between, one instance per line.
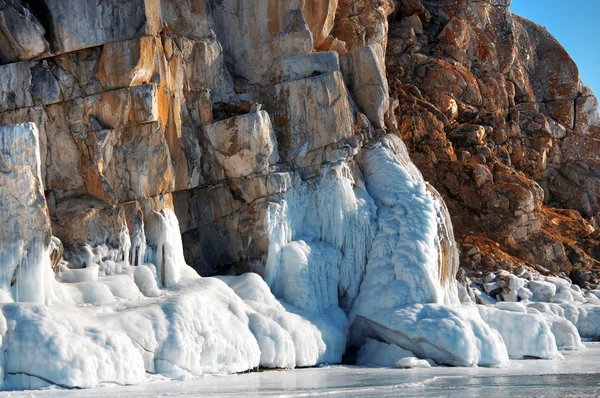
x=495, y=115
x=293, y=139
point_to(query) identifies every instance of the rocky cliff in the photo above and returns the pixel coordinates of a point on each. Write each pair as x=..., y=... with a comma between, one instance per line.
x=280, y=137
x=212, y=108
x=496, y=117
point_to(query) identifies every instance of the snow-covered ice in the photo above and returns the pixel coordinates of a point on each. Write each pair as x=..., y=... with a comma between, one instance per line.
x=376, y=353
x=449, y=336
x=577, y=375
x=361, y=255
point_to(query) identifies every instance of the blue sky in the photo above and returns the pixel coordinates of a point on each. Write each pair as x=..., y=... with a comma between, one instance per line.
x=576, y=25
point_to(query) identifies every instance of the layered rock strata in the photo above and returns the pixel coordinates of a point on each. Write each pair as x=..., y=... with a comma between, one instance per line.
x=266, y=137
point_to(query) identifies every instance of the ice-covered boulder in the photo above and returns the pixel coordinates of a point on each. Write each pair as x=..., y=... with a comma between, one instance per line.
x=566, y=334
x=542, y=290
x=376, y=353
x=525, y=334
x=448, y=336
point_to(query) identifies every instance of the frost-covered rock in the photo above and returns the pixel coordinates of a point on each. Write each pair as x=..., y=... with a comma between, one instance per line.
x=543, y=291
x=25, y=272
x=448, y=336
x=531, y=338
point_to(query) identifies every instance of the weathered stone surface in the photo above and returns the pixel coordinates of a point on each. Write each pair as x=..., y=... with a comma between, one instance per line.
x=312, y=113
x=489, y=105
x=21, y=33
x=177, y=64
x=87, y=142
x=364, y=73
x=320, y=16
x=549, y=70
x=24, y=214
x=84, y=220
x=250, y=44
x=82, y=24
x=128, y=164
x=14, y=86
x=243, y=145
x=303, y=66
x=361, y=23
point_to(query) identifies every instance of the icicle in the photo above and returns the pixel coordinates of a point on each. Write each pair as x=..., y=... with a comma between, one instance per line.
x=26, y=272
x=166, y=249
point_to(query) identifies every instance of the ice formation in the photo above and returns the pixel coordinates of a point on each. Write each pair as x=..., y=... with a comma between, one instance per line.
x=448, y=336
x=533, y=337
x=376, y=353
x=362, y=254
x=26, y=274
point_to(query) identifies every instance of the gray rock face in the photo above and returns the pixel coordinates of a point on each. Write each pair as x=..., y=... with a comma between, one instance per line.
x=251, y=45
x=21, y=33
x=243, y=145
x=314, y=112
x=25, y=214
x=364, y=73
x=145, y=99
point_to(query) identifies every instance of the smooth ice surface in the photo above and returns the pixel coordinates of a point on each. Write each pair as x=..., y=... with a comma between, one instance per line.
x=577, y=375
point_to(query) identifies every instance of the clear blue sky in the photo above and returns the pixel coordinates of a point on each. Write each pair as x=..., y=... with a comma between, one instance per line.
x=576, y=25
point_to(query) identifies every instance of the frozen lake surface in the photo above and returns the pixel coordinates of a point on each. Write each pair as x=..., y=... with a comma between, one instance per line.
x=577, y=375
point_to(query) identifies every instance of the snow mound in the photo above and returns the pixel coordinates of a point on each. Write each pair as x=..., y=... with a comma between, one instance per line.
x=288, y=336
x=376, y=353
x=200, y=329
x=66, y=348
x=525, y=334
x=585, y=317
x=449, y=336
